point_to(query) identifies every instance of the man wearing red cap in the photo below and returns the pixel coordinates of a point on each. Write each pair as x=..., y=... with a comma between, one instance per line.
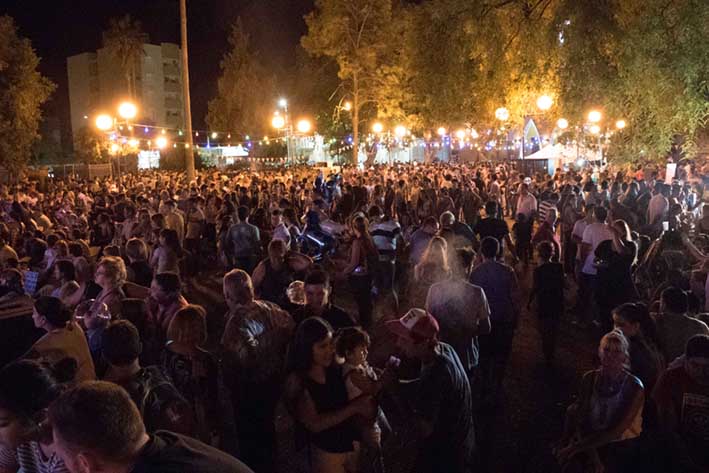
x=443, y=405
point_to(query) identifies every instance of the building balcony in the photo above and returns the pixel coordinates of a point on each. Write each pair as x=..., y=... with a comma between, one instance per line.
x=173, y=104
x=170, y=70
x=172, y=87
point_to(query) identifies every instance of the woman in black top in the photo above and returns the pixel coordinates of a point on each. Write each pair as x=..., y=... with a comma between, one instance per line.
x=548, y=291
x=615, y=260
x=317, y=396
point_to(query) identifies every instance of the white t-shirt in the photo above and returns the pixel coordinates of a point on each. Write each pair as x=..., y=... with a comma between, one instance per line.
x=594, y=234
x=526, y=205
x=579, y=227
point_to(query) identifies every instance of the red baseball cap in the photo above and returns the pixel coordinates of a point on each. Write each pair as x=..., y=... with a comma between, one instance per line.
x=416, y=325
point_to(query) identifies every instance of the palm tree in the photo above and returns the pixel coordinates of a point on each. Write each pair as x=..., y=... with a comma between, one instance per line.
x=124, y=40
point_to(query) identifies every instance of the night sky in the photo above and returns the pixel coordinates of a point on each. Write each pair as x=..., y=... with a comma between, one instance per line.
x=61, y=28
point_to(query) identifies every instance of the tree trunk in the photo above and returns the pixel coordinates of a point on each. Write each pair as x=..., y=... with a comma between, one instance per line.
x=189, y=152
x=355, y=119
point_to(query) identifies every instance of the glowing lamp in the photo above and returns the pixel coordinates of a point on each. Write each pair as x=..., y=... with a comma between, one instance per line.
x=104, y=122
x=127, y=110
x=562, y=123
x=377, y=127
x=544, y=102
x=304, y=126
x=594, y=116
x=502, y=114
x=278, y=122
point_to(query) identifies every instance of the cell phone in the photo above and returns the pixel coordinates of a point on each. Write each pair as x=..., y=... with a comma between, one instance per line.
x=666, y=226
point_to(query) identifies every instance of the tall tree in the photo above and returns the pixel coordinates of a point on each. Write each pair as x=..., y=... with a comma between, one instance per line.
x=360, y=36
x=90, y=146
x=237, y=108
x=23, y=90
x=124, y=40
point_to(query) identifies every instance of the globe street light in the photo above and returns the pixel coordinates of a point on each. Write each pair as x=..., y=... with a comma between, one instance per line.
x=278, y=122
x=347, y=106
x=562, y=123
x=502, y=114
x=594, y=116
x=400, y=131
x=104, y=122
x=283, y=103
x=595, y=129
x=161, y=142
x=460, y=134
x=377, y=127
x=620, y=124
x=127, y=110
x=544, y=102
x=441, y=131
x=304, y=126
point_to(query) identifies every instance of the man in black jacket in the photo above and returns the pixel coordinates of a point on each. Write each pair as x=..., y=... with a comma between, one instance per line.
x=97, y=427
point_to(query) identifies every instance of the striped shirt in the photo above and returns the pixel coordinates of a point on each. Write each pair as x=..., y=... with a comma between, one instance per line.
x=544, y=209
x=28, y=458
x=385, y=235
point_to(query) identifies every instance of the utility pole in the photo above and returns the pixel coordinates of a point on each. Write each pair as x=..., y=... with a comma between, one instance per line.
x=189, y=152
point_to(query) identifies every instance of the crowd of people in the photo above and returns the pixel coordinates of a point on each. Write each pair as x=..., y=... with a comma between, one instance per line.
x=345, y=293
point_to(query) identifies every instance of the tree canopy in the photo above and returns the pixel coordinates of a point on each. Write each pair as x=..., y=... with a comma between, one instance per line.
x=23, y=90
x=237, y=106
x=361, y=37
x=124, y=40
x=453, y=62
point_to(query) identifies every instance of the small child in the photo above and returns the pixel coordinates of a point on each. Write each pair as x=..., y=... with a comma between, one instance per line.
x=522, y=230
x=360, y=378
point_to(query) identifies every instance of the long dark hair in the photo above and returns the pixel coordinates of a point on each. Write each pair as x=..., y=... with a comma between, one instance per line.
x=28, y=387
x=637, y=312
x=300, y=354
x=171, y=240
x=361, y=224
x=52, y=309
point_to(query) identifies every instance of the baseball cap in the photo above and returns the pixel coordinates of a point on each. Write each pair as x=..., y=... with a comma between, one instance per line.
x=416, y=324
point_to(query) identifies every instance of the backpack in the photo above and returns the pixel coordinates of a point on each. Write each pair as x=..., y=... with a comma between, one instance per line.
x=160, y=405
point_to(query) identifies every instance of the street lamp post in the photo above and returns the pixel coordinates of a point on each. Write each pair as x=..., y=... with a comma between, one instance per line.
x=127, y=111
x=283, y=103
x=189, y=155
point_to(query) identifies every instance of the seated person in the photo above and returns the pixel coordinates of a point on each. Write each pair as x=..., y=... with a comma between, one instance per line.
x=11, y=285
x=682, y=397
x=64, y=337
x=607, y=411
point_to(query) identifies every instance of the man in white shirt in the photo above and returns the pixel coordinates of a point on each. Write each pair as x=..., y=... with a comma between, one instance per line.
x=577, y=235
x=593, y=235
x=659, y=205
x=527, y=203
